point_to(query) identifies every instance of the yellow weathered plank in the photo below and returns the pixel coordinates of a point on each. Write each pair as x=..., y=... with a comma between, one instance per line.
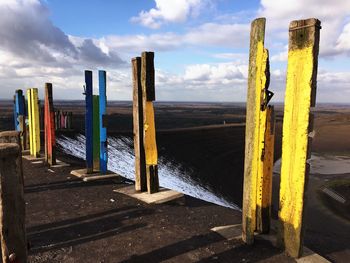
x=262, y=57
x=35, y=122
x=299, y=97
x=29, y=101
x=150, y=135
x=256, y=84
x=266, y=170
x=149, y=130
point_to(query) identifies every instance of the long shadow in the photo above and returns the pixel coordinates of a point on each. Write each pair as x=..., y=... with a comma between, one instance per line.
x=67, y=184
x=176, y=249
x=83, y=229
x=258, y=252
x=78, y=219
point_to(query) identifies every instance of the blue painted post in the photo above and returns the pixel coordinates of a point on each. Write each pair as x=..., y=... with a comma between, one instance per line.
x=103, y=122
x=15, y=120
x=19, y=108
x=88, y=120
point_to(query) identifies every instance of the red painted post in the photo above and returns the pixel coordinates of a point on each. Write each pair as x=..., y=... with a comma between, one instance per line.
x=50, y=140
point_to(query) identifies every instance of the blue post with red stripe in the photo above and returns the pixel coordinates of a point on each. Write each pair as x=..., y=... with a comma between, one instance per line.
x=103, y=122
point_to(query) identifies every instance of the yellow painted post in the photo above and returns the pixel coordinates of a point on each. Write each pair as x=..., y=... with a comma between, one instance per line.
x=297, y=124
x=33, y=109
x=264, y=196
x=257, y=98
x=150, y=145
x=29, y=99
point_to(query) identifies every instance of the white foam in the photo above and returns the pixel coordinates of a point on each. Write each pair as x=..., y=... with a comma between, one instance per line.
x=121, y=160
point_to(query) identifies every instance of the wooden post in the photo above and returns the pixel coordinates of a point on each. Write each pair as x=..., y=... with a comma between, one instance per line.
x=49, y=117
x=265, y=181
x=140, y=162
x=10, y=137
x=70, y=114
x=103, y=121
x=33, y=118
x=30, y=132
x=300, y=95
x=19, y=109
x=12, y=206
x=149, y=131
x=35, y=122
x=95, y=133
x=257, y=99
x=88, y=120
x=14, y=112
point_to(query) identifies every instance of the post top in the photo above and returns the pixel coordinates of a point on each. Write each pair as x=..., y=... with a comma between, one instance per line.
x=8, y=149
x=9, y=133
x=303, y=23
x=136, y=58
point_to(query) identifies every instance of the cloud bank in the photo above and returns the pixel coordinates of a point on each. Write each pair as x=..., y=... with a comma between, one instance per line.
x=33, y=50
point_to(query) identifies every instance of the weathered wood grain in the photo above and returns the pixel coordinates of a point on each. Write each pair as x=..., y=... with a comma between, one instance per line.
x=300, y=96
x=96, y=132
x=149, y=131
x=12, y=206
x=50, y=138
x=255, y=78
x=265, y=185
x=140, y=162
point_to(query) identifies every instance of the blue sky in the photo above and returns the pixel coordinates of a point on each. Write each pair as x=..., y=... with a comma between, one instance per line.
x=201, y=46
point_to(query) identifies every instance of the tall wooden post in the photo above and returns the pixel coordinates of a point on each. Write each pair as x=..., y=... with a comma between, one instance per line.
x=34, y=125
x=88, y=121
x=258, y=97
x=264, y=196
x=149, y=131
x=29, y=105
x=95, y=133
x=12, y=206
x=300, y=95
x=70, y=115
x=140, y=162
x=15, y=112
x=103, y=121
x=10, y=137
x=49, y=120
x=20, y=116
x=19, y=108
x=35, y=122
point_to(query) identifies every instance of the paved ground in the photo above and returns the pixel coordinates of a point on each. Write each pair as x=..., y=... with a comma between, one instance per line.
x=72, y=221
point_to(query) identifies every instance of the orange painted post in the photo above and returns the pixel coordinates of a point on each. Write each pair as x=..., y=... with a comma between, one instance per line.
x=149, y=131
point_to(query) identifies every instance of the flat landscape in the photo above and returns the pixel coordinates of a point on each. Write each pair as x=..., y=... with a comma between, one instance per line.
x=66, y=218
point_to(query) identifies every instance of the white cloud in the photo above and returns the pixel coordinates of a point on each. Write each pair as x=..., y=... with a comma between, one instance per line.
x=224, y=35
x=333, y=16
x=34, y=51
x=205, y=35
x=221, y=73
x=343, y=42
x=173, y=11
x=203, y=82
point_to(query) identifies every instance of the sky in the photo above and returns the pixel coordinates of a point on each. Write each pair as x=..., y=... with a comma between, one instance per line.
x=201, y=46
